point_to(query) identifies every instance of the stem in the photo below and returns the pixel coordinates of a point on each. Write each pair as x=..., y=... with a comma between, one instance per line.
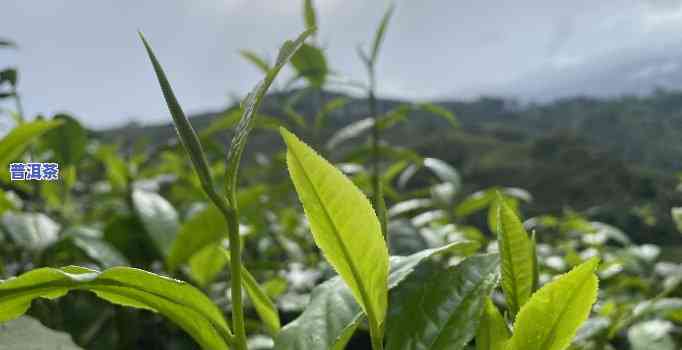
x=377, y=339
x=230, y=214
x=375, y=134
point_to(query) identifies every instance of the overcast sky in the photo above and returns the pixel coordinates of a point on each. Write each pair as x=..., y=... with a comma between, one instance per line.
x=84, y=57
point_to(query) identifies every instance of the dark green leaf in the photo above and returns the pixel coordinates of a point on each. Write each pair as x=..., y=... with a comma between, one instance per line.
x=441, y=309
x=310, y=63
x=66, y=141
x=381, y=32
x=309, y=14
x=332, y=315
x=188, y=136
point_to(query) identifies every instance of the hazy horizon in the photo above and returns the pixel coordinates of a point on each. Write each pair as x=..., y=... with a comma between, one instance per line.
x=86, y=59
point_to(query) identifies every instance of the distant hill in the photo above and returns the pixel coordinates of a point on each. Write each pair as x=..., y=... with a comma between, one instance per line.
x=614, y=157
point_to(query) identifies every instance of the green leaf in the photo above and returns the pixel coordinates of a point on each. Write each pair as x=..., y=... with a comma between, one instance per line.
x=332, y=315
x=440, y=112
x=677, y=217
x=329, y=107
x=32, y=231
x=66, y=141
x=18, y=139
x=444, y=171
x=309, y=15
x=344, y=226
x=199, y=231
x=206, y=264
x=27, y=333
x=4, y=42
x=188, y=137
x=250, y=105
x=310, y=63
x=9, y=75
x=516, y=252
x=652, y=335
x=380, y=33
x=257, y=61
x=181, y=303
x=159, y=218
x=492, y=333
x=90, y=242
x=552, y=316
x=441, y=308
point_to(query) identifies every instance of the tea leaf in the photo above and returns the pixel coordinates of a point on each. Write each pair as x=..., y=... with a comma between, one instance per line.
x=516, y=252
x=18, y=139
x=250, y=106
x=333, y=315
x=181, y=303
x=28, y=333
x=677, y=217
x=202, y=229
x=209, y=261
x=441, y=308
x=90, y=242
x=159, y=218
x=32, y=231
x=256, y=60
x=381, y=32
x=188, y=137
x=66, y=141
x=310, y=63
x=492, y=333
x=552, y=316
x=440, y=112
x=344, y=226
x=309, y=14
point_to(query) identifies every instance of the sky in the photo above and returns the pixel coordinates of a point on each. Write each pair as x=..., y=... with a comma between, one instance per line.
x=84, y=57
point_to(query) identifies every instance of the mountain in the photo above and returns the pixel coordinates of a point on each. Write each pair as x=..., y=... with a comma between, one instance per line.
x=615, y=158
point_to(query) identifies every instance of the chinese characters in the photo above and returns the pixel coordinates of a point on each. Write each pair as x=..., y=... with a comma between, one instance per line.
x=34, y=171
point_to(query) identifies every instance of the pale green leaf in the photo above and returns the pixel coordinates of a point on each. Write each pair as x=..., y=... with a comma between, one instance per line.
x=344, y=226
x=181, y=303
x=492, y=333
x=31, y=231
x=652, y=335
x=516, y=252
x=257, y=61
x=552, y=316
x=18, y=139
x=159, y=218
x=440, y=308
x=202, y=229
x=677, y=217
x=29, y=334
